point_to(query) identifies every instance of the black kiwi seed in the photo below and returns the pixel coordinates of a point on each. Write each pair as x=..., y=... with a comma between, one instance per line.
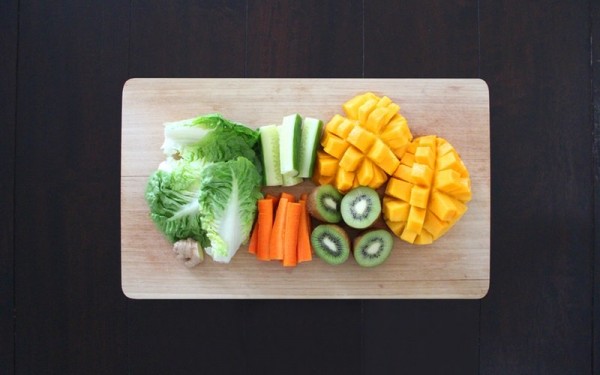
x=361, y=207
x=373, y=247
x=324, y=204
x=330, y=243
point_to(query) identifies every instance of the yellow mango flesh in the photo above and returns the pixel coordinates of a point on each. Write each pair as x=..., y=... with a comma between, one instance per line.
x=365, y=173
x=335, y=146
x=428, y=191
x=374, y=127
x=351, y=159
x=361, y=139
x=344, y=180
x=379, y=177
x=381, y=154
x=326, y=164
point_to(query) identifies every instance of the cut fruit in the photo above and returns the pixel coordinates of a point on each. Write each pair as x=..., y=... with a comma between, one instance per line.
x=324, y=204
x=330, y=242
x=327, y=165
x=365, y=173
x=334, y=145
x=269, y=141
x=309, y=140
x=373, y=247
x=344, y=180
x=290, y=134
x=361, y=207
x=427, y=194
x=373, y=131
x=351, y=159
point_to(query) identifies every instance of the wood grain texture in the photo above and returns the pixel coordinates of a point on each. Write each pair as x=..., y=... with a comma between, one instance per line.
x=72, y=65
x=537, y=316
x=304, y=39
x=456, y=266
x=8, y=105
x=429, y=39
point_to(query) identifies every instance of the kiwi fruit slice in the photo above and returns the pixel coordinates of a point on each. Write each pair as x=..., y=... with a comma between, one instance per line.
x=373, y=247
x=330, y=243
x=324, y=204
x=361, y=207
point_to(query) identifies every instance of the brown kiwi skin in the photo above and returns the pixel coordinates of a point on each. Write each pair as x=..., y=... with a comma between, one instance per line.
x=312, y=205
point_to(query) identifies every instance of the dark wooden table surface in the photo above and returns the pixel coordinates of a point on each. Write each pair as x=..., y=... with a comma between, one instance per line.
x=63, y=65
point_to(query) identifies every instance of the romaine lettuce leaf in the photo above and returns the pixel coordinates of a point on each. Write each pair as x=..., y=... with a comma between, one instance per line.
x=172, y=195
x=228, y=194
x=207, y=187
x=203, y=133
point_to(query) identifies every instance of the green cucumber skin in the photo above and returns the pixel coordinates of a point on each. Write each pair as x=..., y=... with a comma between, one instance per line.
x=297, y=139
x=311, y=128
x=289, y=149
x=269, y=138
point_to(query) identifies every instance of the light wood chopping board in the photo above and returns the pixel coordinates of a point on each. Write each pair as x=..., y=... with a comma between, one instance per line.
x=455, y=266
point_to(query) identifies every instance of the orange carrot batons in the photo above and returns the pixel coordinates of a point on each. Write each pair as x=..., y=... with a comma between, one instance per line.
x=265, y=227
x=292, y=224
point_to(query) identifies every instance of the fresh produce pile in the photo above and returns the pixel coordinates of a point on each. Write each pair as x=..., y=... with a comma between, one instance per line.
x=364, y=148
x=206, y=195
x=207, y=187
x=360, y=208
x=282, y=230
x=428, y=191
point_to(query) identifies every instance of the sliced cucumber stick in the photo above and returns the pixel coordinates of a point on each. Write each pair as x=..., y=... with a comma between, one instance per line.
x=291, y=181
x=269, y=140
x=311, y=134
x=290, y=133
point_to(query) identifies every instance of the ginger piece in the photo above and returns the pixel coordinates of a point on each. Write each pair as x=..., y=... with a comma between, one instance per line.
x=189, y=251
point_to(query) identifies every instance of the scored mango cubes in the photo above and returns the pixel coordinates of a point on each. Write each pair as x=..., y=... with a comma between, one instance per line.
x=427, y=193
x=368, y=142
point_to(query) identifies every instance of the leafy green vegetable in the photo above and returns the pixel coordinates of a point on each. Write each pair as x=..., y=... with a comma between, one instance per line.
x=211, y=138
x=228, y=194
x=172, y=194
x=209, y=135
x=207, y=187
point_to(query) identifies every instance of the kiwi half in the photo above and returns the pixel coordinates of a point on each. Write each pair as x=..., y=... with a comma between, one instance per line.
x=373, y=247
x=361, y=207
x=324, y=204
x=330, y=243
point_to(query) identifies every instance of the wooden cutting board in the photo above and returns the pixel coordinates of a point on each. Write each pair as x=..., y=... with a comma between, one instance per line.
x=455, y=266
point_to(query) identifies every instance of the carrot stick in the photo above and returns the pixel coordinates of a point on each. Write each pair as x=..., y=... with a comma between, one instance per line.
x=303, y=196
x=265, y=226
x=274, y=198
x=288, y=196
x=304, y=248
x=276, y=245
x=290, y=239
x=253, y=238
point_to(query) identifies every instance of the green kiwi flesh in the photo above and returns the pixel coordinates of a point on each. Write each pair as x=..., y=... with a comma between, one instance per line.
x=324, y=204
x=361, y=207
x=330, y=243
x=373, y=247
